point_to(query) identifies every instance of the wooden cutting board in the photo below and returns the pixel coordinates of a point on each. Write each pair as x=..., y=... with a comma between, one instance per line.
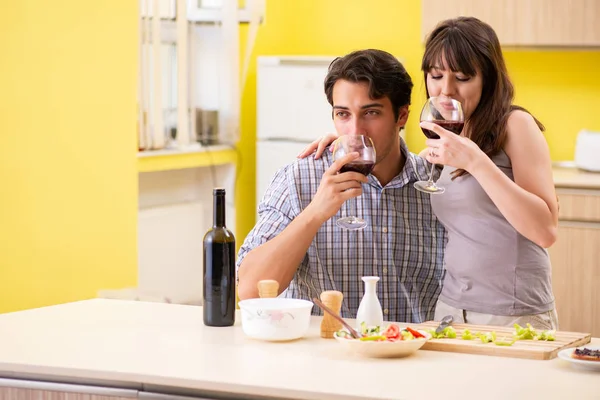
x=531, y=349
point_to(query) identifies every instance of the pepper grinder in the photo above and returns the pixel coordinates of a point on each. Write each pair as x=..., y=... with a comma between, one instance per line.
x=267, y=288
x=329, y=325
x=369, y=310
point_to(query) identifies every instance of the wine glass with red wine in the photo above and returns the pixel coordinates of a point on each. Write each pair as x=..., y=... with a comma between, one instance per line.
x=364, y=164
x=448, y=114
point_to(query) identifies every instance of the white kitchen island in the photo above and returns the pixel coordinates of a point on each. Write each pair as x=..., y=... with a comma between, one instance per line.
x=110, y=349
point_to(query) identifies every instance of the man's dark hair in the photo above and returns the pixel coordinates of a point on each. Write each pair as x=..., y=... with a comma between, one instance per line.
x=385, y=75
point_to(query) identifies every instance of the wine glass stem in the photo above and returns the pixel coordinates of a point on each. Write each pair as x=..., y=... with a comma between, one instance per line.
x=431, y=174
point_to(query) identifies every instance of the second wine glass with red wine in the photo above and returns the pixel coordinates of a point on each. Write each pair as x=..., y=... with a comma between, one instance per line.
x=364, y=164
x=448, y=114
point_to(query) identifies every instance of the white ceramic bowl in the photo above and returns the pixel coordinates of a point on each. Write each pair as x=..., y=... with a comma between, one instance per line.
x=400, y=348
x=275, y=318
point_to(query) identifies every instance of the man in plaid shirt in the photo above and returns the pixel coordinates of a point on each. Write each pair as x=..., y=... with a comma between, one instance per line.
x=296, y=241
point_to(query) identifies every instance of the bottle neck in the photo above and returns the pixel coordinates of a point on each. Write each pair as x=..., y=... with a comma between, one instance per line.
x=370, y=287
x=219, y=210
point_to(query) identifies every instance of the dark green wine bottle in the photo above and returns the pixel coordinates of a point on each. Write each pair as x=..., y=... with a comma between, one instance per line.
x=219, y=268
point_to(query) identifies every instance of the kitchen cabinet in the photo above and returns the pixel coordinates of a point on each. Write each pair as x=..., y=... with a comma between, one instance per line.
x=162, y=396
x=21, y=389
x=33, y=394
x=575, y=261
x=524, y=22
x=11, y=389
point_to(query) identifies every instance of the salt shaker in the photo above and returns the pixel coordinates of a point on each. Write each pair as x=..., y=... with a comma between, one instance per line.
x=329, y=325
x=369, y=310
x=268, y=288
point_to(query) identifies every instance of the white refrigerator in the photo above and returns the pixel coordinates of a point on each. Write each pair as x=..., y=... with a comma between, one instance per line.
x=292, y=111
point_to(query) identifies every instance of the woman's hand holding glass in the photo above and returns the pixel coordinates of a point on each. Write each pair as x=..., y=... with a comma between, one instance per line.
x=451, y=149
x=445, y=112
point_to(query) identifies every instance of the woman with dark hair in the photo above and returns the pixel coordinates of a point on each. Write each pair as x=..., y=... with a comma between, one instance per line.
x=499, y=209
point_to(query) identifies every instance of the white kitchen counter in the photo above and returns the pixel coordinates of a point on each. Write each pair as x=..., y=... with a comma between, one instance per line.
x=137, y=343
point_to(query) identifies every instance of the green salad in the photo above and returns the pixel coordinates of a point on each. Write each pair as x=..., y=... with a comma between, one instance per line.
x=391, y=333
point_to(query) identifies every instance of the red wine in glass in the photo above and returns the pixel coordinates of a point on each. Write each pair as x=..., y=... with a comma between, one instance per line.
x=361, y=166
x=452, y=126
x=448, y=114
x=364, y=164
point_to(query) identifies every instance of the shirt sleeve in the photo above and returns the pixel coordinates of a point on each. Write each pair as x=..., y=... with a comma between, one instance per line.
x=275, y=212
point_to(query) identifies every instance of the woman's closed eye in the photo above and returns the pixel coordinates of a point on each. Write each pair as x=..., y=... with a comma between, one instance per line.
x=458, y=78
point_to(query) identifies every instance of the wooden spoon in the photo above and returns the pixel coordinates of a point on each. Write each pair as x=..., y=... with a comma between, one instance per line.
x=352, y=331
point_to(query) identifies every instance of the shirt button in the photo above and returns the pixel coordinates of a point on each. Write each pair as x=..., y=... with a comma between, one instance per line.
x=386, y=312
x=385, y=270
x=384, y=230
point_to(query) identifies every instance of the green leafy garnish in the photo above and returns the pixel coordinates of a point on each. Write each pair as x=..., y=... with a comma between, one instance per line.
x=406, y=335
x=467, y=335
x=547, y=335
x=365, y=330
x=505, y=342
x=487, y=337
x=448, y=333
x=521, y=333
x=363, y=327
x=529, y=333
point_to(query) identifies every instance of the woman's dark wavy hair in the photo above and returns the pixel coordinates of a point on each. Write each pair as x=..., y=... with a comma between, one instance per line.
x=385, y=75
x=469, y=46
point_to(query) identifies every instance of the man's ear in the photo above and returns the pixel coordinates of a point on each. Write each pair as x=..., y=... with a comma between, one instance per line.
x=402, y=116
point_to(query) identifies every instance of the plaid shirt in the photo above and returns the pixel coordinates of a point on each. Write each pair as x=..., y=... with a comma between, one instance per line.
x=403, y=242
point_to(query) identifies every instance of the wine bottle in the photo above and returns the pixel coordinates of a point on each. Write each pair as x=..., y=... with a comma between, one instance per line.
x=219, y=268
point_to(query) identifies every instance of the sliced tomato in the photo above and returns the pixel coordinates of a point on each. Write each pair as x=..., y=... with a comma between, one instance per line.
x=391, y=332
x=416, y=334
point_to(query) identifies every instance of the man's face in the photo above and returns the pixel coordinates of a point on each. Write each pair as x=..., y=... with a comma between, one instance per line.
x=355, y=113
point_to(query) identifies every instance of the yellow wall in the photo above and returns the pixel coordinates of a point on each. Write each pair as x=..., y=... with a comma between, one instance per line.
x=68, y=202
x=560, y=88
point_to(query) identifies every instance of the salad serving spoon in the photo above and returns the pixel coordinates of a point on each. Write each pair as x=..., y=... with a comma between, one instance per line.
x=352, y=331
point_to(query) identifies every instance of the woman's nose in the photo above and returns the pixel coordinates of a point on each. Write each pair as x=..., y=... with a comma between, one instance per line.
x=447, y=88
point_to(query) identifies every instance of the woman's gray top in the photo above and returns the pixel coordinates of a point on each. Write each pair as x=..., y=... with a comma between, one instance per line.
x=490, y=267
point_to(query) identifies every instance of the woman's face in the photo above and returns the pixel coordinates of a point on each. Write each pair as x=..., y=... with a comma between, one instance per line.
x=441, y=81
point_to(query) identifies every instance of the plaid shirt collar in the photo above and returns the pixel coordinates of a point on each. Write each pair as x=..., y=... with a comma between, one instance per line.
x=409, y=174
